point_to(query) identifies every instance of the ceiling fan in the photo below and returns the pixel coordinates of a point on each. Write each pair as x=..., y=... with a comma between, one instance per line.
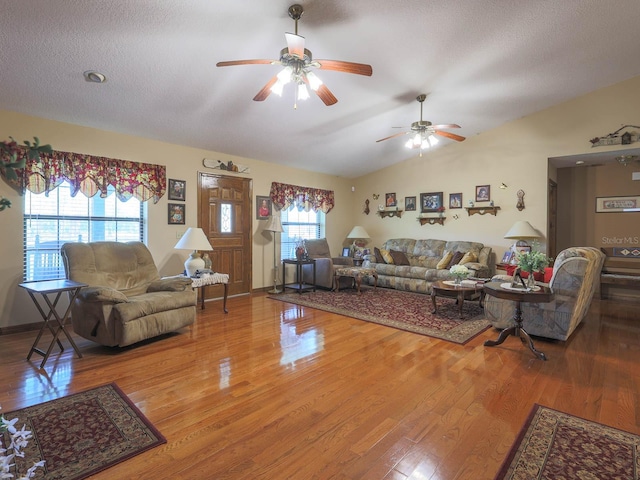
x=424, y=132
x=298, y=68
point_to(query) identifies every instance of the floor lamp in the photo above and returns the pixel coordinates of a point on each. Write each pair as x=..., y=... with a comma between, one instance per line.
x=274, y=225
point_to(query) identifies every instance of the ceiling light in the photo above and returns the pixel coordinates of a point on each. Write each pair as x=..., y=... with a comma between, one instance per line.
x=303, y=93
x=94, y=77
x=314, y=81
x=626, y=159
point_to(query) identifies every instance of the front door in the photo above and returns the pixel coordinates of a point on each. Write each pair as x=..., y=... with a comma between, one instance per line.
x=224, y=213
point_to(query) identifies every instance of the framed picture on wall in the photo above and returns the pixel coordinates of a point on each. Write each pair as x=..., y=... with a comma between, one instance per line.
x=430, y=202
x=483, y=193
x=263, y=207
x=176, y=212
x=455, y=200
x=410, y=204
x=390, y=200
x=177, y=189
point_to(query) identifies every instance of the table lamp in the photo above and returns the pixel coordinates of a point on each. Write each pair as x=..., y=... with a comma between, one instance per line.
x=521, y=231
x=357, y=233
x=193, y=239
x=274, y=225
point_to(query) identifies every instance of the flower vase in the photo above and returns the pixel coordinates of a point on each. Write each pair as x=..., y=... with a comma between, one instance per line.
x=458, y=280
x=300, y=253
x=531, y=281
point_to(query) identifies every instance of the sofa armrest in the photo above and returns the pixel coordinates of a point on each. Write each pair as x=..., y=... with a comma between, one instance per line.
x=102, y=294
x=170, y=284
x=346, y=261
x=479, y=270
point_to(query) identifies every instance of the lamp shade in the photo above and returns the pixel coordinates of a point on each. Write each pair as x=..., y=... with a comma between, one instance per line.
x=193, y=239
x=358, y=232
x=522, y=229
x=274, y=225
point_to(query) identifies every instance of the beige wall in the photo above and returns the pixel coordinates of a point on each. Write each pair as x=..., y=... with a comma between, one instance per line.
x=182, y=163
x=516, y=153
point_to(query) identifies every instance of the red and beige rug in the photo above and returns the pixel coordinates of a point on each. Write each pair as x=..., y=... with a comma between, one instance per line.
x=402, y=310
x=82, y=434
x=556, y=445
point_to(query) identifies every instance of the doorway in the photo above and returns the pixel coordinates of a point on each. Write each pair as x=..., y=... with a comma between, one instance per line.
x=224, y=214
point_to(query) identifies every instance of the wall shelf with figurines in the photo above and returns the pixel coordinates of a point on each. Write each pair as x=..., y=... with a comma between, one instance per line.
x=493, y=210
x=431, y=220
x=390, y=213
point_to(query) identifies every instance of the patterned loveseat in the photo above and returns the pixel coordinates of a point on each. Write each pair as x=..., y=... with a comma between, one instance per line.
x=576, y=275
x=423, y=257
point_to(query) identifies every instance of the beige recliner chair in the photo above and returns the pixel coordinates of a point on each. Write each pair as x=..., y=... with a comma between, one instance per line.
x=319, y=250
x=576, y=276
x=126, y=301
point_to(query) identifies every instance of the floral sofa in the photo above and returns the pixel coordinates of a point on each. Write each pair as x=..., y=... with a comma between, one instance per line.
x=423, y=257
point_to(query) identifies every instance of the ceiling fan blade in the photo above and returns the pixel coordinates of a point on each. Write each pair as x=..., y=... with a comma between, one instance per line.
x=266, y=90
x=392, y=136
x=347, y=67
x=452, y=136
x=232, y=63
x=295, y=44
x=447, y=125
x=326, y=96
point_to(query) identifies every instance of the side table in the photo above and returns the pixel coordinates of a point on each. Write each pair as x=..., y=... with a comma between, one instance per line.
x=211, y=279
x=299, y=285
x=57, y=288
x=543, y=295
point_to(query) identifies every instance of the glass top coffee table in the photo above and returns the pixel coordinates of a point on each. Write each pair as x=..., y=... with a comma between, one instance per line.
x=466, y=290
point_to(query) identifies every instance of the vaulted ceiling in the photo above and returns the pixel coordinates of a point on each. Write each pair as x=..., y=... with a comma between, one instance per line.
x=481, y=63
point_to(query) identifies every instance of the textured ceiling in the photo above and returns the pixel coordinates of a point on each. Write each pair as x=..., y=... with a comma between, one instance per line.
x=481, y=63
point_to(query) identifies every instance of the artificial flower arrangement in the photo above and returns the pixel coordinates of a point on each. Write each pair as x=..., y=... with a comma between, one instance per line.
x=19, y=440
x=532, y=261
x=460, y=272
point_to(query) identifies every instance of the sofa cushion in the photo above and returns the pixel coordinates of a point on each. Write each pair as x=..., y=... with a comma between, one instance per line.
x=399, y=258
x=405, y=245
x=151, y=303
x=468, y=258
x=444, y=261
x=378, y=255
x=386, y=256
x=455, y=259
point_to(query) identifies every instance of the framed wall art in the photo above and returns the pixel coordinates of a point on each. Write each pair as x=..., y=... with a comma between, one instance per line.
x=176, y=213
x=483, y=193
x=430, y=202
x=390, y=200
x=263, y=207
x=455, y=200
x=177, y=189
x=410, y=204
x=618, y=204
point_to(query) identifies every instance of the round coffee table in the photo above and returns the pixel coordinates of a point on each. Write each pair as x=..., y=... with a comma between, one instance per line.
x=463, y=291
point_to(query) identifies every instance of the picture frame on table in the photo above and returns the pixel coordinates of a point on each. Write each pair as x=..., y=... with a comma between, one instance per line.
x=177, y=189
x=483, y=193
x=506, y=258
x=346, y=251
x=410, y=204
x=176, y=213
x=430, y=202
x=455, y=200
x=263, y=207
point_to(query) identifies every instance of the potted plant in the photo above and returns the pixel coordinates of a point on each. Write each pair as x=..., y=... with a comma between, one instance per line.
x=531, y=262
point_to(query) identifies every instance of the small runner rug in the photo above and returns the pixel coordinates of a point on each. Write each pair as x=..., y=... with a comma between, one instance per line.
x=553, y=444
x=402, y=310
x=82, y=434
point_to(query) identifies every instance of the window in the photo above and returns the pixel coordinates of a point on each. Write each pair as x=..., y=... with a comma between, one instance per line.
x=296, y=225
x=50, y=221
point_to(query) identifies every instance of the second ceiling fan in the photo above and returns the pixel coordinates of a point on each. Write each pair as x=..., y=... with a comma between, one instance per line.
x=423, y=132
x=298, y=68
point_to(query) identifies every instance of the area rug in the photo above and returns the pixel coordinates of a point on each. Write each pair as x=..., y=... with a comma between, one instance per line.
x=84, y=433
x=553, y=445
x=402, y=310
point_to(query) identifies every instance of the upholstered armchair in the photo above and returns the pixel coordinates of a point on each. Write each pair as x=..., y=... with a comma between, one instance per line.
x=126, y=300
x=575, y=278
x=319, y=250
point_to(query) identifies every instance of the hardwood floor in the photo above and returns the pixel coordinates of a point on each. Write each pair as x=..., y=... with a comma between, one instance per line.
x=276, y=391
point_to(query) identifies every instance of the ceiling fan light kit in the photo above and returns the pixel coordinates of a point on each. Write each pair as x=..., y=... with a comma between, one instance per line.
x=298, y=64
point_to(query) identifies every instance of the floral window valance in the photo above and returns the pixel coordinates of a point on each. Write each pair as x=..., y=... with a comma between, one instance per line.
x=304, y=198
x=90, y=174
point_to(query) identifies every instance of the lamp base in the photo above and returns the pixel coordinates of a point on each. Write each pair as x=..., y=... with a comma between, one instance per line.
x=275, y=290
x=193, y=263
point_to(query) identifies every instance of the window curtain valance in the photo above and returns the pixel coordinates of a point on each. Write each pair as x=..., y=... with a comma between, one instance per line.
x=90, y=174
x=303, y=198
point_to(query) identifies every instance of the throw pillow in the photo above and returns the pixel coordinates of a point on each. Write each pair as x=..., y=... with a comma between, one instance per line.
x=446, y=258
x=455, y=259
x=378, y=254
x=468, y=257
x=399, y=258
x=387, y=256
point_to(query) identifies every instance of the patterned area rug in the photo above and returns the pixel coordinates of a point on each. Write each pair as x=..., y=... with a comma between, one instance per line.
x=84, y=433
x=553, y=444
x=398, y=309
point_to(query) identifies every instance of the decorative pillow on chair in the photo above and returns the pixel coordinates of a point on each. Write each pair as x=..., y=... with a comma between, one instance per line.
x=444, y=262
x=455, y=259
x=378, y=254
x=399, y=258
x=386, y=256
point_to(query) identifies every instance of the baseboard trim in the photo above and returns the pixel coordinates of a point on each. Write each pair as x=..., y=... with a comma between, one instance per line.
x=25, y=327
